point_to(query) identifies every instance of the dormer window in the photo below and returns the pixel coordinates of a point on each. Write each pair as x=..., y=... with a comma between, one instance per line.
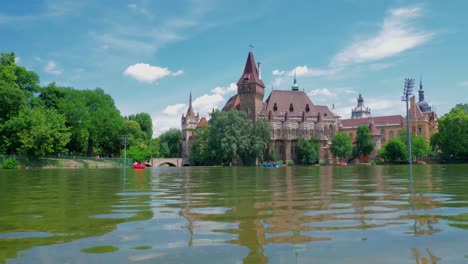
x=307, y=108
x=275, y=107
x=291, y=108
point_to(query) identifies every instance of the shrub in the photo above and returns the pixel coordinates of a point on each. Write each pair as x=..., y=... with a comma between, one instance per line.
x=290, y=163
x=10, y=164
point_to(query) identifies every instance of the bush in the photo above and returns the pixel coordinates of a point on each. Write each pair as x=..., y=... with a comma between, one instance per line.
x=322, y=162
x=290, y=163
x=279, y=162
x=10, y=164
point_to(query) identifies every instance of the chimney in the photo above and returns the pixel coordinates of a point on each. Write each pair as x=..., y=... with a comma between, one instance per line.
x=259, y=64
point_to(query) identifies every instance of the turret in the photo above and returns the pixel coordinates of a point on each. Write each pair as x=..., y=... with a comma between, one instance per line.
x=250, y=89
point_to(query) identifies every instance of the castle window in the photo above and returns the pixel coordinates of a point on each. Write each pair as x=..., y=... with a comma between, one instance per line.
x=275, y=107
x=382, y=135
x=419, y=130
x=291, y=108
x=307, y=108
x=391, y=134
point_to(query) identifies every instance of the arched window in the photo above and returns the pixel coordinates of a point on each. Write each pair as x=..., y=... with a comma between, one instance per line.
x=291, y=108
x=275, y=107
x=382, y=135
x=307, y=108
x=391, y=134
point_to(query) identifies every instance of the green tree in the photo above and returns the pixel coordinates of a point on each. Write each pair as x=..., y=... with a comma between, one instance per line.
x=419, y=145
x=146, y=123
x=170, y=143
x=234, y=139
x=155, y=150
x=200, y=154
x=94, y=120
x=38, y=132
x=363, y=143
x=341, y=146
x=260, y=133
x=308, y=151
x=139, y=152
x=394, y=151
x=452, y=138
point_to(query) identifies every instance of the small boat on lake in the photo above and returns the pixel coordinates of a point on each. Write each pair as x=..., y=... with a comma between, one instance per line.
x=270, y=165
x=138, y=166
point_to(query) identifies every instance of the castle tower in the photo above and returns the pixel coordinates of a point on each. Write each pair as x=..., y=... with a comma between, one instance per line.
x=250, y=89
x=360, y=111
x=189, y=123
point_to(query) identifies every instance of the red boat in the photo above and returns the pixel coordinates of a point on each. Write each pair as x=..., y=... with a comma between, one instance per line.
x=138, y=166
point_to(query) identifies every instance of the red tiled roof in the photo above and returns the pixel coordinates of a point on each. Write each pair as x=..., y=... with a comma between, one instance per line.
x=283, y=101
x=232, y=103
x=203, y=122
x=378, y=121
x=250, y=74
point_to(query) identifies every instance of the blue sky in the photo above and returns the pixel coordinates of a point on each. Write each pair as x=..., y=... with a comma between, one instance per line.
x=149, y=55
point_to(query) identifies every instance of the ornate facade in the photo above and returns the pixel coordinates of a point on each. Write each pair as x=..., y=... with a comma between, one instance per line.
x=423, y=121
x=291, y=113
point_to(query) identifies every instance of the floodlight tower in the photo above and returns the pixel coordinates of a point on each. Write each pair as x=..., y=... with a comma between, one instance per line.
x=407, y=92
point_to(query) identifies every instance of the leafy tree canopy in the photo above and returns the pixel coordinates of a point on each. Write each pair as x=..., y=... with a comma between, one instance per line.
x=363, y=143
x=341, y=146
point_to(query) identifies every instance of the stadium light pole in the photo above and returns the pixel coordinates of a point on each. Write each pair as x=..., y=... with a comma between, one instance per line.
x=407, y=92
x=125, y=142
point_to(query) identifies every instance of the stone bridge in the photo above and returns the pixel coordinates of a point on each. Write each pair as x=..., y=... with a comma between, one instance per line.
x=168, y=162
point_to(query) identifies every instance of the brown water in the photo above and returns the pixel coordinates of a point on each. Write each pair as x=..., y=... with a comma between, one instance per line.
x=371, y=214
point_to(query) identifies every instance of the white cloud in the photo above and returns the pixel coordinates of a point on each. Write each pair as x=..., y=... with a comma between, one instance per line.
x=132, y=6
x=277, y=72
x=225, y=90
x=397, y=34
x=321, y=92
x=177, y=73
x=17, y=60
x=146, y=73
x=463, y=84
x=306, y=71
x=203, y=105
x=51, y=68
x=174, y=110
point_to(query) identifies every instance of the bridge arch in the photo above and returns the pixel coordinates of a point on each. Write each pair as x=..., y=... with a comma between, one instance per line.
x=166, y=162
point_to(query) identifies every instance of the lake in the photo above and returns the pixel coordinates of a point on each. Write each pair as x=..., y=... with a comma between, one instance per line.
x=326, y=214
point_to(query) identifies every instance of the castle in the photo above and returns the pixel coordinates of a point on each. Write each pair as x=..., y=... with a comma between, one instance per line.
x=423, y=121
x=291, y=113
x=293, y=116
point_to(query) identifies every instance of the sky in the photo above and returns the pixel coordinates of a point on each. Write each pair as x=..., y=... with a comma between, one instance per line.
x=150, y=55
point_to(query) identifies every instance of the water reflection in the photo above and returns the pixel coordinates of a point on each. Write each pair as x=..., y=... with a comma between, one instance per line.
x=300, y=205
x=327, y=214
x=46, y=207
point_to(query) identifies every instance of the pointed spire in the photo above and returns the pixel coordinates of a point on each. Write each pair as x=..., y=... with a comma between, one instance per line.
x=250, y=74
x=295, y=86
x=190, y=112
x=421, y=91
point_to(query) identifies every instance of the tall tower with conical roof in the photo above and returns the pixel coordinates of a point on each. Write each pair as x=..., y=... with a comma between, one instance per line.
x=250, y=89
x=189, y=124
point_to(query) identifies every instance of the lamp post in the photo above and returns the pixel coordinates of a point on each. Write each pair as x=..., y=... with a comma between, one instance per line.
x=125, y=142
x=407, y=92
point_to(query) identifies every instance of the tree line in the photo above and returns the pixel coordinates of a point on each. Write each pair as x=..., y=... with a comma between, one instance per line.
x=52, y=120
